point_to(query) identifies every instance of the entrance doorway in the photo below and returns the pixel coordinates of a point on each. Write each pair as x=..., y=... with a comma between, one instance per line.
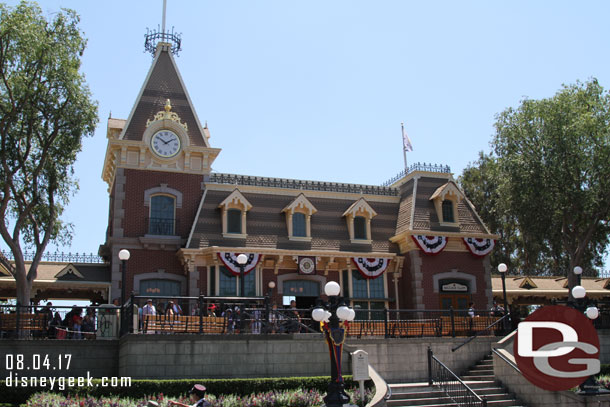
x=304, y=292
x=457, y=301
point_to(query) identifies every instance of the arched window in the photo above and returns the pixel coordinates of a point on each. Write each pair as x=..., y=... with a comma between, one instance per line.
x=448, y=211
x=299, y=226
x=162, y=215
x=234, y=221
x=360, y=228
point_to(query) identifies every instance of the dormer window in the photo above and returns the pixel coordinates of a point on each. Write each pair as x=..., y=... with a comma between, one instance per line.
x=234, y=221
x=446, y=199
x=234, y=210
x=360, y=228
x=448, y=211
x=299, y=225
x=298, y=218
x=358, y=217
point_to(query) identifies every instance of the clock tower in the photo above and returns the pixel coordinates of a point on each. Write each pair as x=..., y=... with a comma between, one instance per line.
x=154, y=166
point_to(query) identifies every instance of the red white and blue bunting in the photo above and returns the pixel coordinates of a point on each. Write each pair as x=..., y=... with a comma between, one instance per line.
x=229, y=259
x=371, y=268
x=431, y=244
x=479, y=247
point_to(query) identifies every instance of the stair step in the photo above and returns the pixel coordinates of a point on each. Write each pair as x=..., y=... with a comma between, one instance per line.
x=478, y=378
x=417, y=395
x=419, y=402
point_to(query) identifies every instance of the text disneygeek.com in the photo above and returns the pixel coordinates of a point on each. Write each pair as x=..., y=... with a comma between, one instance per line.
x=17, y=364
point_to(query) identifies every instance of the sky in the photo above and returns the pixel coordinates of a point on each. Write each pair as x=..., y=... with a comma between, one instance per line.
x=317, y=90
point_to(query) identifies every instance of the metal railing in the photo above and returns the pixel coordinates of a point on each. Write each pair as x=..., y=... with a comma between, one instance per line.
x=235, y=179
x=458, y=391
x=59, y=322
x=215, y=315
x=417, y=167
x=503, y=321
x=59, y=257
x=161, y=226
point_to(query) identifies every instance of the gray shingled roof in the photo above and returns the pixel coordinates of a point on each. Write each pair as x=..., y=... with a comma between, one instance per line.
x=266, y=224
x=163, y=83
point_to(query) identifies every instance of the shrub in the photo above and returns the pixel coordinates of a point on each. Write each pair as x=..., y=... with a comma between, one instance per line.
x=175, y=388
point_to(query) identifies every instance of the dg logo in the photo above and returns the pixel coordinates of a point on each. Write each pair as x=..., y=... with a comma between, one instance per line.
x=557, y=348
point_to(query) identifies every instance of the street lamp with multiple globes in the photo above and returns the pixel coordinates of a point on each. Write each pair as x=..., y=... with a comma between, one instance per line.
x=334, y=316
x=590, y=386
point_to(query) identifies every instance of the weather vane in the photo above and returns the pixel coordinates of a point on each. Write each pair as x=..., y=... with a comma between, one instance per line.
x=153, y=37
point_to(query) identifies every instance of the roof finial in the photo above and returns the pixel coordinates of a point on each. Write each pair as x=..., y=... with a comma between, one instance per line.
x=154, y=37
x=163, y=18
x=168, y=105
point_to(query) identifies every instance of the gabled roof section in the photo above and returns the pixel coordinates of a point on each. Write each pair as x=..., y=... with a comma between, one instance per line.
x=361, y=205
x=421, y=214
x=69, y=270
x=164, y=82
x=300, y=201
x=236, y=198
x=450, y=188
x=528, y=284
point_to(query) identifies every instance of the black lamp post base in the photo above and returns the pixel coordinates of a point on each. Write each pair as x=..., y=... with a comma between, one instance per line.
x=336, y=396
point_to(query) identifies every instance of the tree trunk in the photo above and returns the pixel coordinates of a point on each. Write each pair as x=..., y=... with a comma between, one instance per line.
x=24, y=289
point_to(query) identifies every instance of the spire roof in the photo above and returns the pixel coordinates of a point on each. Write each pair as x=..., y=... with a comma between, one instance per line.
x=163, y=82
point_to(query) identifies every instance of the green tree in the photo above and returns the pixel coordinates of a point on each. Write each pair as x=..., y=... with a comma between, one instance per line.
x=45, y=111
x=550, y=180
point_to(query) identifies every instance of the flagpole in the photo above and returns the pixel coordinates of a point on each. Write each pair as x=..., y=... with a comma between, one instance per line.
x=404, y=150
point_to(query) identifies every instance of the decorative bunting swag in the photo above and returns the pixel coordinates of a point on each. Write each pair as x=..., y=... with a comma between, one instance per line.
x=230, y=261
x=431, y=244
x=479, y=247
x=371, y=268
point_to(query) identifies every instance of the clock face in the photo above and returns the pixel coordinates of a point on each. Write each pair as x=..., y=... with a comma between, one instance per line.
x=307, y=266
x=165, y=143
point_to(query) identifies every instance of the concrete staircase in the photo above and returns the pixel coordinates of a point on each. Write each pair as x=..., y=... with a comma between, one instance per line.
x=479, y=378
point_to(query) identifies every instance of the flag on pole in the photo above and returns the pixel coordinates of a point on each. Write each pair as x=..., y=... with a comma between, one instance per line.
x=406, y=141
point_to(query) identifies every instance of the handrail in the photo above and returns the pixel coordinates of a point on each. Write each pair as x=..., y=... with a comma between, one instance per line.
x=468, y=340
x=444, y=376
x=504, y=358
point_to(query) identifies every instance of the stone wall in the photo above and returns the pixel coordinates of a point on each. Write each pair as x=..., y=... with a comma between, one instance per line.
x=100, y=357
x=604, y=344
x=189, y=356
x=510, y=376
x=406, y=360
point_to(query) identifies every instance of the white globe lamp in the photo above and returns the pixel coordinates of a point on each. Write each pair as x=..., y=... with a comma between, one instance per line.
x=343, y=313
x=242, y=259
x=318, y=314
x=579, y=292
x=592, y=312
x=332, y=289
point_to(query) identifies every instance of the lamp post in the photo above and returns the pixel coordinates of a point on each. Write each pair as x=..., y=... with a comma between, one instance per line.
x=589, y=386
x=334, y=316
x=242, y=259
x=123, y=256
x=270, y=286
x=578, y=271
x=502, y=268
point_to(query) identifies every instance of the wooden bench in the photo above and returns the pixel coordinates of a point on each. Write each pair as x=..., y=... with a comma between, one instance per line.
x=27, y=322
x=415, y=327
x=366, y=328
x=182, y=324
x=466, y=325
